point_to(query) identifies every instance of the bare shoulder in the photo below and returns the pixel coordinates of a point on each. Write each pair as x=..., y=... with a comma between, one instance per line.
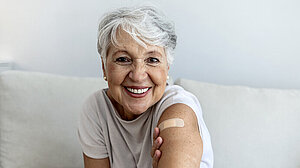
x=183, y=112
x=182, y=146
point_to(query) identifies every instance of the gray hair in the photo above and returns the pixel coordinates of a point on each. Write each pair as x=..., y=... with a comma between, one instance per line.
x=145, y=24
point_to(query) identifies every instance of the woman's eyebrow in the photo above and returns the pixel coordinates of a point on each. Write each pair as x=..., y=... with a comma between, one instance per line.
x=154, y=52
x=119, y=51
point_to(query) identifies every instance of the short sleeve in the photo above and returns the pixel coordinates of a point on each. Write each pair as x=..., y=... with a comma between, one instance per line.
x=90, y=131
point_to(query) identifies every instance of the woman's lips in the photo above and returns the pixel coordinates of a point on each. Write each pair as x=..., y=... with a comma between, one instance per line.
x=137, y=91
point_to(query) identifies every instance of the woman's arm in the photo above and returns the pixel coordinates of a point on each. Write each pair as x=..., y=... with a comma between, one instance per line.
x=95, y=163
x=182, y=146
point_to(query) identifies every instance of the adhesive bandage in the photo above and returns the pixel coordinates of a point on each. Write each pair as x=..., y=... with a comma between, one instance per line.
x=173, y=122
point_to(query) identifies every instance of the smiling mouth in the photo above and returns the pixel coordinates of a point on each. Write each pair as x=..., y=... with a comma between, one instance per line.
x=137, y=91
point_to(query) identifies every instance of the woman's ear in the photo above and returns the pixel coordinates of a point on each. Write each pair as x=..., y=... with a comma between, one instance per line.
x=103, y=69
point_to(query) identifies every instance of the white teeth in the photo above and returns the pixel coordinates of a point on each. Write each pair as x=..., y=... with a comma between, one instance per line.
x=137, y=91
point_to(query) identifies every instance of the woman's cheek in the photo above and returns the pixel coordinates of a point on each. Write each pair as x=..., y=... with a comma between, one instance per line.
x=115, y=74
x=159, y=76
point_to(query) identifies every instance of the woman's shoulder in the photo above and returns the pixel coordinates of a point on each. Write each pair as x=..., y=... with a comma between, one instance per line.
x=95, y=96
x=177, y=93
x=93, y=101
x=96, y=106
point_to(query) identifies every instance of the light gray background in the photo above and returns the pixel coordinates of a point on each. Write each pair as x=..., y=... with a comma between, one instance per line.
x=240, y=42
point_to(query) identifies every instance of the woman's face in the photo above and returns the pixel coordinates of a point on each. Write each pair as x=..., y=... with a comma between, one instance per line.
x=136, y=75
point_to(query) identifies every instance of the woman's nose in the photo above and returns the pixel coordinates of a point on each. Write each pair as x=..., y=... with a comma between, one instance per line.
x=138, y=73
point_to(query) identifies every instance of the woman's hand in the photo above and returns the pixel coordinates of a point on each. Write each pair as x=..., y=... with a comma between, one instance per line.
x=155, y=152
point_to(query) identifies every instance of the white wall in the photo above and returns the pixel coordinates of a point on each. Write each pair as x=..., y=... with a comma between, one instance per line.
x=239, y=42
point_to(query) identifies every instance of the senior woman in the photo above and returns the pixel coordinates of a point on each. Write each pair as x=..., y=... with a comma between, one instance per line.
x=140, y=120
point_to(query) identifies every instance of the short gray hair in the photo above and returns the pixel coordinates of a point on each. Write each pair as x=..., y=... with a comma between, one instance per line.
x=145, y=24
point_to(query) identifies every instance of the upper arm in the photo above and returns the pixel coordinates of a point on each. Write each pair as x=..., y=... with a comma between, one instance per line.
x=95, y=163
x=182, y=146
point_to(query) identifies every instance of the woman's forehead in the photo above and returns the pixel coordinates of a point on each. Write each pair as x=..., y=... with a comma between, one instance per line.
x=126, y=43
x=134, y=49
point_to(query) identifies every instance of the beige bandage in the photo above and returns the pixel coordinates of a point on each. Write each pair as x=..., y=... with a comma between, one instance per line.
x=173, y=122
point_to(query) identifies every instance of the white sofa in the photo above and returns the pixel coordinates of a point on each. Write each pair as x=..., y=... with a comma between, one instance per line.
x=249, y=127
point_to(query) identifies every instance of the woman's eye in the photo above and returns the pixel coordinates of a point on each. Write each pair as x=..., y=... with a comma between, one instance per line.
x=123, y=60
x=153, y=60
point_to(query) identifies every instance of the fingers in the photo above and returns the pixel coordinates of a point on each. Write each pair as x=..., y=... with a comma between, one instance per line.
x=155, y=133
x=156, y=157
x=156, y=145
x=155, y=152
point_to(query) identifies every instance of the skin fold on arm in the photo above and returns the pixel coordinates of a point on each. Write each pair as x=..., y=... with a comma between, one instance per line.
x=182, y=146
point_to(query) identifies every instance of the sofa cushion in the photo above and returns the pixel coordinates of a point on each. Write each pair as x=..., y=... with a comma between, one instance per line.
x=38, y=119
x=250, y=127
